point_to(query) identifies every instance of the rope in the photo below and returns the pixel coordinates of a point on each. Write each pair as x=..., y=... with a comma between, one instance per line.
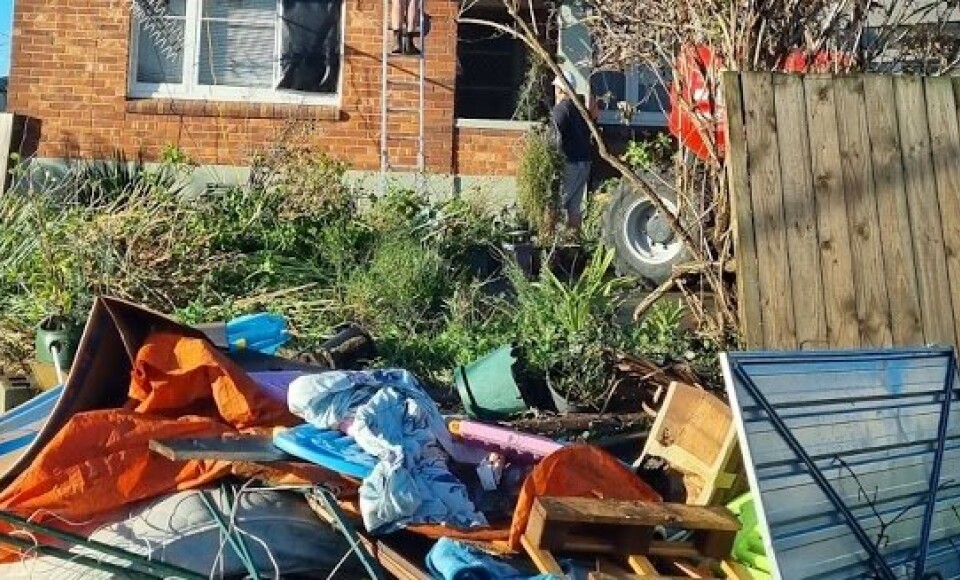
x=233, y=541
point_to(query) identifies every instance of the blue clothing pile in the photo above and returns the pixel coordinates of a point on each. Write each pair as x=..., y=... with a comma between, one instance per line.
x=394, y=420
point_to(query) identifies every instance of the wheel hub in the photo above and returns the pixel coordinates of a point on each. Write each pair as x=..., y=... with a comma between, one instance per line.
x=659, y=230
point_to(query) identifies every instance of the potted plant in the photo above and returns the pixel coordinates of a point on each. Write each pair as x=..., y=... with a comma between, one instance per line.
x=40, y=259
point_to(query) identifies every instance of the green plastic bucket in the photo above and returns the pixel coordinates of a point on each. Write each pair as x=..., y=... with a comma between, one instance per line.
x=487, y=387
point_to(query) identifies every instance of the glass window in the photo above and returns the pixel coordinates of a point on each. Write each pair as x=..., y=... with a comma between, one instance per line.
x=272, y=50
x=608, y=88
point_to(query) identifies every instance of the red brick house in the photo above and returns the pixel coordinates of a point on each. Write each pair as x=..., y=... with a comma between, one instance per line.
x=89, y=79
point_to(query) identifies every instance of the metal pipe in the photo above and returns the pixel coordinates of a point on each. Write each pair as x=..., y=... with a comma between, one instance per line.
x=879, y=565
x=937, y=465
x=384, y=72
x=421, y=152
x=138, y=561
x=55, y=352
x=123, y=571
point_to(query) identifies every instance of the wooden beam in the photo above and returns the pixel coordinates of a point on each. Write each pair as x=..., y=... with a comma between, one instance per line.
x=234, y=448
x=542, y=559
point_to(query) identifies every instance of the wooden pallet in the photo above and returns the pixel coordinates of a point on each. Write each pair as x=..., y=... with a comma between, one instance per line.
x=625, y=529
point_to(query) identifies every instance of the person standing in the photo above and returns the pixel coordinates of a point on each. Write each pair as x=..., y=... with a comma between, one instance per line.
x=574, y=136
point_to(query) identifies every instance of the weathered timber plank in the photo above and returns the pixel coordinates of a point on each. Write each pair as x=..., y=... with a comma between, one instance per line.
x=773, y=259
x=800, y=212
x=873, y=306
x=748, y=276
x=836, y=261
x=239, y=448
x=924, y=210
x=642, y=566
x=899, y=268
x=542, y=559
x=945, y=149
x=582, y=510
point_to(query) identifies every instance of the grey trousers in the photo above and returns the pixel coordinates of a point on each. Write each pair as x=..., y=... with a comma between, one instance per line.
x=576, y=177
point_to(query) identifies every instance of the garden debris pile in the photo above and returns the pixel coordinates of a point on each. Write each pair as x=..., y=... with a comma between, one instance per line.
x=166, y=436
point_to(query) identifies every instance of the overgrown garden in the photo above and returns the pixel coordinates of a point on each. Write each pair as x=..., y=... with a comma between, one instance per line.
x=430, y=279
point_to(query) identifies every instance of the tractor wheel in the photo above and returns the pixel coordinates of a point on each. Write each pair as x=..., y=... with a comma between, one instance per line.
x=645, y=246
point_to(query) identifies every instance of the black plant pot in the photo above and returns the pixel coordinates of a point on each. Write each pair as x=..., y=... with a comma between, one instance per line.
x=482, y=263
x=526, y=256
x=568, y=262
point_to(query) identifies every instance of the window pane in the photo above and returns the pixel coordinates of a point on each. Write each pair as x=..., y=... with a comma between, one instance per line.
x=654, y=98
x=310, y=40
x=239, y=55
x=173, y=7
x=158, y=8
x=608, y=88
x=258, y=10
x=159, y=52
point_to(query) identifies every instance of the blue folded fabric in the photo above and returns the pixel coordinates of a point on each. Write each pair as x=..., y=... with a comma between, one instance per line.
x=453, y=560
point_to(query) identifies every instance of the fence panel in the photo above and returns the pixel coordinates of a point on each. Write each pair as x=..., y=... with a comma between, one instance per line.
x=847, y=205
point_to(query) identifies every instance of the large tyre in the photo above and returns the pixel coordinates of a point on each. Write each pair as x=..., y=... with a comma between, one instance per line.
x=645, y=246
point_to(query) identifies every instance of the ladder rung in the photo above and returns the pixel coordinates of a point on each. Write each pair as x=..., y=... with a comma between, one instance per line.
x=403, y=168
x=403, y=109
x=403, y=137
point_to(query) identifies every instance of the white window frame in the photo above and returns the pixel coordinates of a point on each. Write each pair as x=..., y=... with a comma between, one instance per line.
x=190, y=89
x=633, y=77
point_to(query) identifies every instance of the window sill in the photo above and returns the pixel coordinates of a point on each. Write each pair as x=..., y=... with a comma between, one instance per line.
x=500, y=124
x=237, y=110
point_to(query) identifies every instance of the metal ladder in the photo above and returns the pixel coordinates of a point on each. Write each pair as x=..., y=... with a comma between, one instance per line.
x=389, y=89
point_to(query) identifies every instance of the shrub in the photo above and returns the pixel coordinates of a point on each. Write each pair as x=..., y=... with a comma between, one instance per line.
x=538, y=182
x=403, y=286
x=565, y=330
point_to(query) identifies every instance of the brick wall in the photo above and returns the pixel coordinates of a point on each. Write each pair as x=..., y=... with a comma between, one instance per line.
x=487, y=151
x=69, y=74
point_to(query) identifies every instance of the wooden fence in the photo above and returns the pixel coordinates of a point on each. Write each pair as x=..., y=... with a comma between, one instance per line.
x=847, y=205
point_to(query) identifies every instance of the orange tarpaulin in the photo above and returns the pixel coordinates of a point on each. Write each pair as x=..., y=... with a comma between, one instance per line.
x=100, y=460
x=577, y=471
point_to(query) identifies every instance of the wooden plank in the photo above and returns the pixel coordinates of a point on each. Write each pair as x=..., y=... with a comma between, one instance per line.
x=894, y=214
x=658, y=548
x=836, y=262
x=735, y=570
x=608, y=566
x=689, y=570
x=873, y=306
x=800, y=211
x=236, y=448
x=582, y=510
x=924, y=209
x=748, y=275
x=542, y=559
x=773, y=259
x=7, y=146
x=945, y=144
x=394, y=562
x=642, y=566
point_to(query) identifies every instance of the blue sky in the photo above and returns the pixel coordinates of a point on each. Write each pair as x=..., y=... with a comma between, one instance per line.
x=6, y=23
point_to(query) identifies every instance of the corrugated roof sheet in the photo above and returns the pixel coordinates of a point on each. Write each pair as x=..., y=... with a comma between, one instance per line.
x=869, y=421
